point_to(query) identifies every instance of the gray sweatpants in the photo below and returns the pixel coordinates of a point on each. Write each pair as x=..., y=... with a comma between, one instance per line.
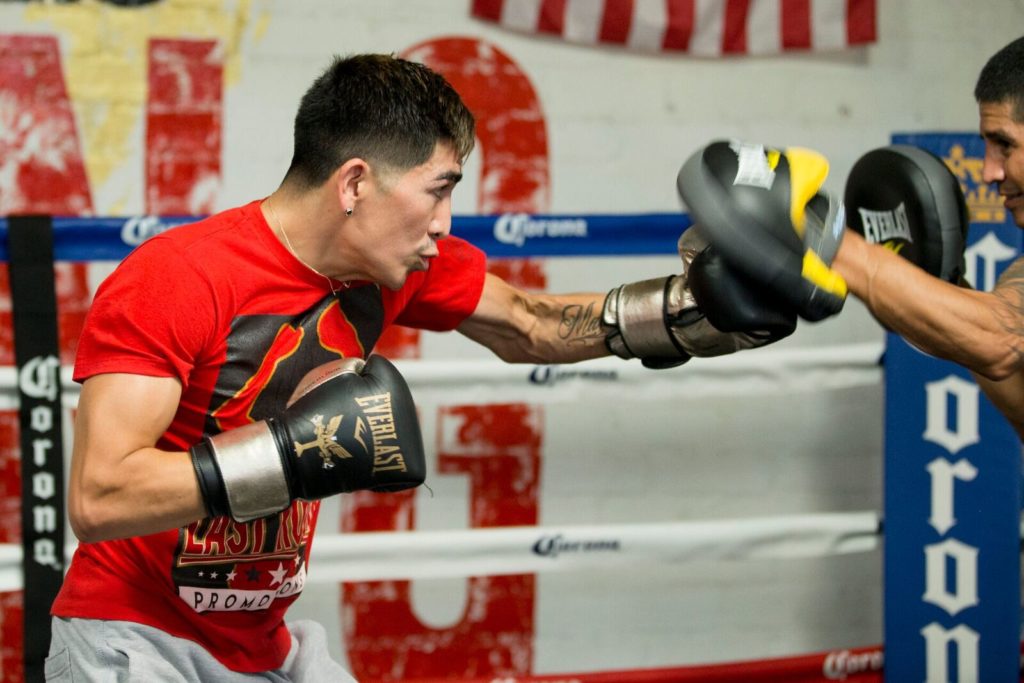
x=97, y=651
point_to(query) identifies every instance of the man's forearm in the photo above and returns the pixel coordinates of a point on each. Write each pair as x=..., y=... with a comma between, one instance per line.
x=967, y=327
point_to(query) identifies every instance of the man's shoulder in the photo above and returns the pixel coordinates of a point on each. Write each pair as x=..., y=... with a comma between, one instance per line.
x=230, y=224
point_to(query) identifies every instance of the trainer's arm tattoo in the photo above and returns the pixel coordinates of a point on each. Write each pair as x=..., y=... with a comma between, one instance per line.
x=1010, y=290
x=580, y=324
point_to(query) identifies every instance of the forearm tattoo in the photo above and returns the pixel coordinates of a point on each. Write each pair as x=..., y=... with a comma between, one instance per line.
x=580, y=324
x=1010, y=290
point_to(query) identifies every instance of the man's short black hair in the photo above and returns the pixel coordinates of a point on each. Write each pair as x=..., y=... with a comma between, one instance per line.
x=389, y=111
x=1002, y=79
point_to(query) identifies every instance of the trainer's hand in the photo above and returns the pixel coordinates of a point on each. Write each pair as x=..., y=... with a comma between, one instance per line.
x=707, y=310
x=906, y=199
x=764, y=210
x=349, y=426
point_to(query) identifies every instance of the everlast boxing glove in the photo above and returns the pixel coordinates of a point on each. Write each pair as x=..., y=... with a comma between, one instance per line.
x=349, y=426
x=764, y=210
x=708, y=310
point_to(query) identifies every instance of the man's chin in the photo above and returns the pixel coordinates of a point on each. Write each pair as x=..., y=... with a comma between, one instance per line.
x=397, y=283
x=1018, y=216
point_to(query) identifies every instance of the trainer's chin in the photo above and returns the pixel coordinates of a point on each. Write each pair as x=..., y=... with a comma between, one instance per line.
x=1016, y=207
x=1018, y=217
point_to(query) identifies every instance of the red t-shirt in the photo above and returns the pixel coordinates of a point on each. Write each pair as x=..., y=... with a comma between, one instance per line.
x=225, y=308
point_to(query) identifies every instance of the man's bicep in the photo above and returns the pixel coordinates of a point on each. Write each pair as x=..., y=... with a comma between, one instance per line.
x=119, y=413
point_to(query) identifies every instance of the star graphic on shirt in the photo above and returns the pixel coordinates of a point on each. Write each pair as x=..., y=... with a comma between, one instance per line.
x=252, y=575
x=278, y=574
x=230, y=576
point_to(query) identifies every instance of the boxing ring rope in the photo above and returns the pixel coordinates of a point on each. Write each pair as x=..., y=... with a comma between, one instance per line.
x=510, y=550
x=399, y=555
x=420, y=554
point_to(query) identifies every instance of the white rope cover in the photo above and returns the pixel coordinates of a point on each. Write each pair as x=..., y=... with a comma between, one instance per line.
x=535, y=550
x=769, y=370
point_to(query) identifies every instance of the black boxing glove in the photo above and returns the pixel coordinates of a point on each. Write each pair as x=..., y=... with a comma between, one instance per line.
x=710, y=309
x=350, y=425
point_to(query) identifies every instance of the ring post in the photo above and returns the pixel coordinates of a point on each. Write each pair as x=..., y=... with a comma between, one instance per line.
x=952, y=482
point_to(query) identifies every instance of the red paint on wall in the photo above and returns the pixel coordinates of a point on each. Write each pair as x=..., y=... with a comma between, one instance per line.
x=498, y=448
x=523, y=273
x=41, y=171
x=41, y=167
x=183, y=127
x=510, y=124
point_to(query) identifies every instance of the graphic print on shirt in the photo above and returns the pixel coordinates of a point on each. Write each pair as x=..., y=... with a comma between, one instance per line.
x=224, y=565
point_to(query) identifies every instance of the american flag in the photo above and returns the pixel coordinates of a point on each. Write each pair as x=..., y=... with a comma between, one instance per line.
x=703, y=28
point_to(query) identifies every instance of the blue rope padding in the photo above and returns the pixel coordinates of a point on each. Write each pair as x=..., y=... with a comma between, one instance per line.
x=501, y=235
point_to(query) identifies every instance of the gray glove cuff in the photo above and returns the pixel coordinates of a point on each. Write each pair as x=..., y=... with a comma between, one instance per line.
x=251, y=468
x=636, y=314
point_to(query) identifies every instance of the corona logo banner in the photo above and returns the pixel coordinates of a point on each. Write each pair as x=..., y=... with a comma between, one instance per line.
x=952, y=482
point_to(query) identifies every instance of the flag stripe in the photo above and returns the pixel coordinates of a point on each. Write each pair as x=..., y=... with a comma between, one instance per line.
x=648, y=29
x=487, y=9
x=616, y=21
x=827, y=29
x=734, y=30
x=583, y=21
x=699, y=27
x=764, y=33
x=552, y=17
x=707, y=34
x=796, y=24
x=680, y=25
x=860, y=22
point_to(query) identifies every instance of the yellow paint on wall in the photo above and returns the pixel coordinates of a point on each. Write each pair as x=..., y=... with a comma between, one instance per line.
x=104, y=50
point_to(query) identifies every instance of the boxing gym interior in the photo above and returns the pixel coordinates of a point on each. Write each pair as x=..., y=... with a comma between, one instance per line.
x=838, y=506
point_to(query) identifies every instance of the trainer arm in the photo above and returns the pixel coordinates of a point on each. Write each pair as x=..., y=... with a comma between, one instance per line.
x=120, y=484
x=981, y=331
x=522, y=327
x=1008, y=397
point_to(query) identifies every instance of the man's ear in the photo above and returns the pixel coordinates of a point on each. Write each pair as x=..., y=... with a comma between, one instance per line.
x=350, y=182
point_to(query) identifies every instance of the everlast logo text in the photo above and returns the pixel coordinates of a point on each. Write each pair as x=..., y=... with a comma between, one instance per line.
x=387, y=454
x=883, y=226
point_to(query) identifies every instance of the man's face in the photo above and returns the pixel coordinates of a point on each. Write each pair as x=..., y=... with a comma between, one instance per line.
x=1004, y=155
x=405, y=216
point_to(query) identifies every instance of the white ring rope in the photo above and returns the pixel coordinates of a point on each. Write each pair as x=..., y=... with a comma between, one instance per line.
x=523, y=550
x=378, y=556
x=768, y=370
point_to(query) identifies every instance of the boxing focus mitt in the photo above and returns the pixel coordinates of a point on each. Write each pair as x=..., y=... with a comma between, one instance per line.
x=907, y=200
x=764, y=210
